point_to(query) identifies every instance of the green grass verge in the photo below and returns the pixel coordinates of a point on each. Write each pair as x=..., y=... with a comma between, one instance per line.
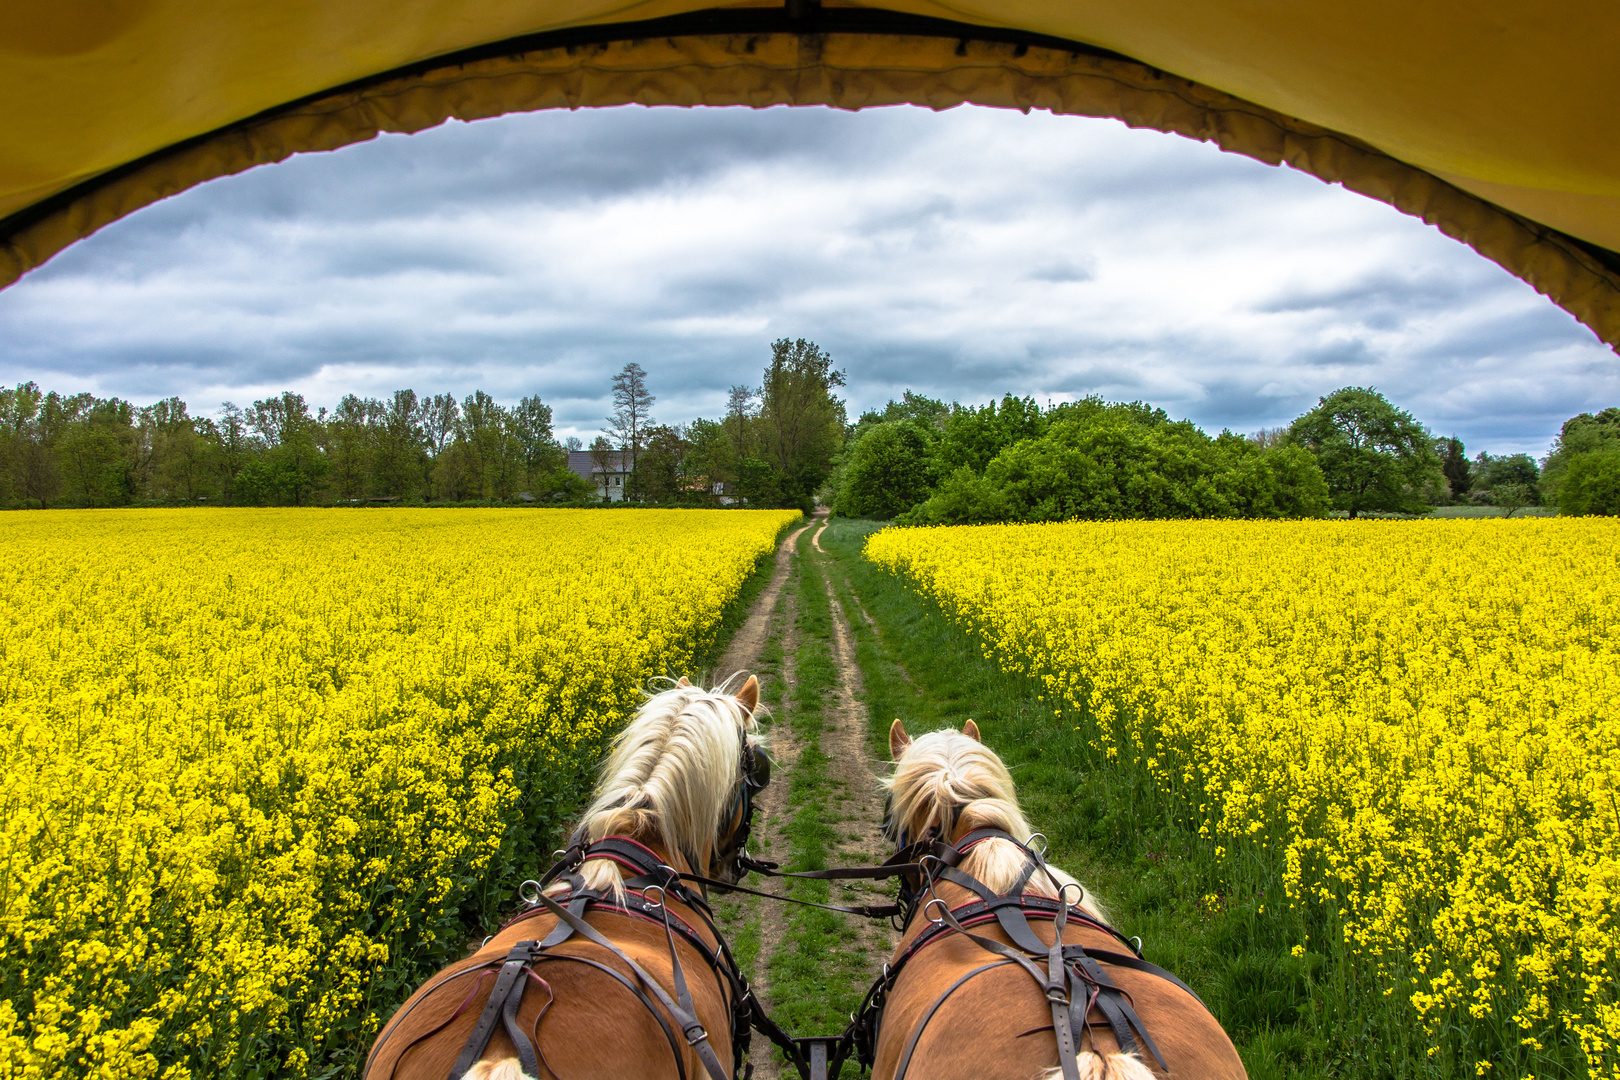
x=1228, y=934
x=820, y=970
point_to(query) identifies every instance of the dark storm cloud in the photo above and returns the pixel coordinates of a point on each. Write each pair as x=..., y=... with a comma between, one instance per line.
x=1380, y=289
x=962, y=255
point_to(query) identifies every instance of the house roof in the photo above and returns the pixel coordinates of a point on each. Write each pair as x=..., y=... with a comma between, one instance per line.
x=583, y=463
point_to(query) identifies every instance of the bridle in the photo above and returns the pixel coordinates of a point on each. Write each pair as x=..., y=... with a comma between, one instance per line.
x=754, y=773
x=1073, y=980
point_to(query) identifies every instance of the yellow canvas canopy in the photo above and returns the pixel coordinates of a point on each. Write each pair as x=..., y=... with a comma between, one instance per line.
x=1496, y=120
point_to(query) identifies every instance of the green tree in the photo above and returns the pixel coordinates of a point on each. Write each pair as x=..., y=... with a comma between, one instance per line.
x=94, y=442
x=1591, y=483
x=962, y=498
x=179, y=452
x=710, y=457
x=30, y=472
x=757, y=483
x=659, y=476
x=801, y=421
x=1582, y=434
x=888, y=470
x=293, y=468
x=398, y=445
x=742, y=423
x=235, y=445
x=1275, y=481
x=441, y=415
x=1375, y=457
x=1454, y=466
x=973, y=436
x=531, y=424
x=348, y=445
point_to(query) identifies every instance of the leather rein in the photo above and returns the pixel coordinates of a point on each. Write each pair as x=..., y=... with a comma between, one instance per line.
x=1073, y=981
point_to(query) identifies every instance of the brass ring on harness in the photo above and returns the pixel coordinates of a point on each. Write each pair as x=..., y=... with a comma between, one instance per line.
x=530, y=895
x=943, y=911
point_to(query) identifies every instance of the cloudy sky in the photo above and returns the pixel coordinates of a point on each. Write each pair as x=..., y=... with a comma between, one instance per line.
x=961, y=254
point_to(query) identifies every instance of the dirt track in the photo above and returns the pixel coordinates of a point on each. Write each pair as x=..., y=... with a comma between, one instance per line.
x=850, y=770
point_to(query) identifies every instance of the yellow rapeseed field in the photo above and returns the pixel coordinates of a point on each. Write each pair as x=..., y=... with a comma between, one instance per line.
x=262, y=768
x=1419, y=720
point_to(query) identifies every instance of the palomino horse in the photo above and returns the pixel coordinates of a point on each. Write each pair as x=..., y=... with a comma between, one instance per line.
x=615, y=969
x=976, y=988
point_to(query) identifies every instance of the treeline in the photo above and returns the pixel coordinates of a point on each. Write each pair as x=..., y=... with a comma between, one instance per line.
x=920, y=461
x=81, y=450
x=774, y=447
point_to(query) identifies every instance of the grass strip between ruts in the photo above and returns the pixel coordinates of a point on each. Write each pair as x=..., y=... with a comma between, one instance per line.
x=821, y=969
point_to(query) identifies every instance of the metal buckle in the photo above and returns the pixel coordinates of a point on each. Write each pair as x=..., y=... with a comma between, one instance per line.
x=693, y=1040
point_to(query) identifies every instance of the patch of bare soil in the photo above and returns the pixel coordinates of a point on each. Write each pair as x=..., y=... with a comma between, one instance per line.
x=856, y=773
x=774, y=812
x=743, y=652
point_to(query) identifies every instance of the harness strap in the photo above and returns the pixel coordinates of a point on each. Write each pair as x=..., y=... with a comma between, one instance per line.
x=1073, y=982
x=905, y=1059
x=478, y=985
x=669, y=1032
x=1116, y=1006
x=870, y=911
x=1059, y=993
x=579, y=900
x=503, y=1003
x=696, y=1037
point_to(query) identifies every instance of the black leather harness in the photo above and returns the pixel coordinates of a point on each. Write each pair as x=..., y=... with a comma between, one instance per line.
x=1072, y=979
x=519, y=969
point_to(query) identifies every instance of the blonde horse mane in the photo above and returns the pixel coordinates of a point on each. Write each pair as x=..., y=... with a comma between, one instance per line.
x=951, y=781
x=671, y=776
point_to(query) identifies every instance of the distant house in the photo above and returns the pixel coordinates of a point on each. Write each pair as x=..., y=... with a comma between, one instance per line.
x=609, y=482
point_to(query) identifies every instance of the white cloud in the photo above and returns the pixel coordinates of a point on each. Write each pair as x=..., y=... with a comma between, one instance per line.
x=962, y=254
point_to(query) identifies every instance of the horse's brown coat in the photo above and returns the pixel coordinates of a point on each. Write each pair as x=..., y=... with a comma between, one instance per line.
x=595, y=1028
x=998, y=1024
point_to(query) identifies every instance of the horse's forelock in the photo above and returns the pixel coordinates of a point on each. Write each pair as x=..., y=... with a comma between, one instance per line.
x=670, y=776
x=953, y=782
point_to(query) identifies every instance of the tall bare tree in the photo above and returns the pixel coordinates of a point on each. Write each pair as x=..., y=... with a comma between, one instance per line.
x=632, y=416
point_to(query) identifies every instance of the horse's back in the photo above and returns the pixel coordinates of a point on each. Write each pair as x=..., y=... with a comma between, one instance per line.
x=585, y=1022
x=998, y=1023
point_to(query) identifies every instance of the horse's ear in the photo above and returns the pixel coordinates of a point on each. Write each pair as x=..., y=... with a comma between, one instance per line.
x=898, y=739
x=971, y=730
x=748, y=696
x=683, y=681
